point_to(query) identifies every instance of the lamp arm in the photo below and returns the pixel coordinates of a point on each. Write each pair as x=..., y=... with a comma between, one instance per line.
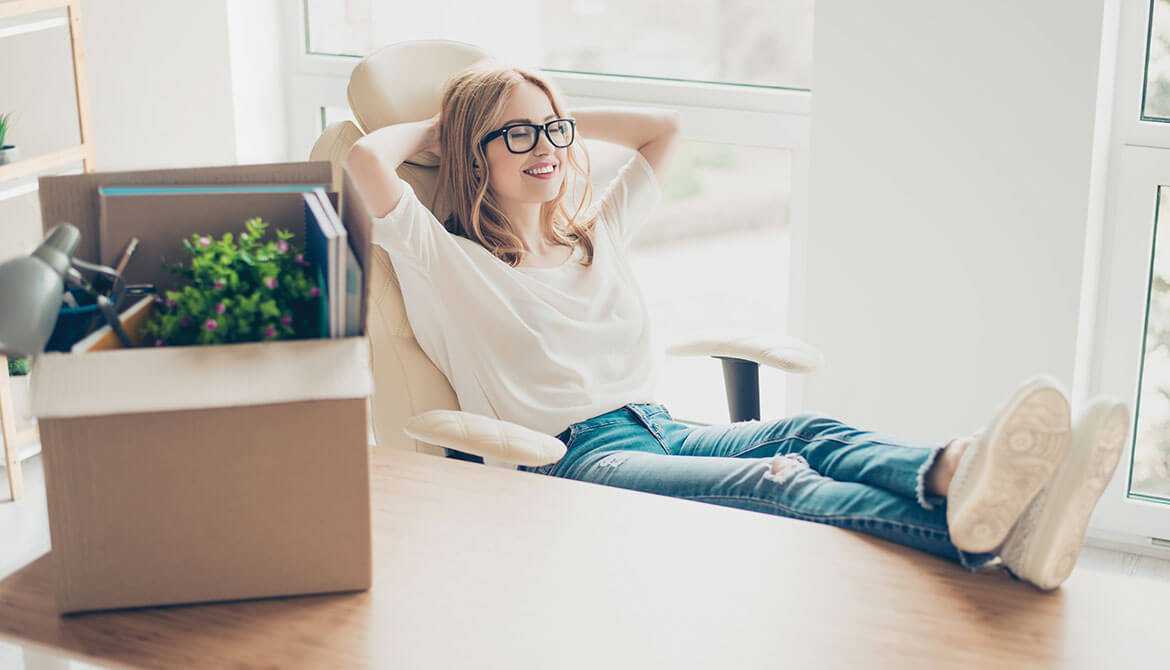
x=105, y=305
x=93, y=267
x=107, y=309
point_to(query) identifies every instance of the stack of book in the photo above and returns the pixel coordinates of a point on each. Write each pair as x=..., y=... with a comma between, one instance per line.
x=161, y=217
x=328, y=250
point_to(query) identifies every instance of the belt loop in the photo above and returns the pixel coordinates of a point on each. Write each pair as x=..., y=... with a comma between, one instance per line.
x=643, y=415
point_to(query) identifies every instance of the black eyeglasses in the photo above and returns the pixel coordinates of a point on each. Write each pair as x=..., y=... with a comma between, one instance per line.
x=520, y=138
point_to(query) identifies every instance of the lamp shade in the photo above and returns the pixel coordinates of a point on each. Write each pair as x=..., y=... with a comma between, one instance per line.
x=30, y=292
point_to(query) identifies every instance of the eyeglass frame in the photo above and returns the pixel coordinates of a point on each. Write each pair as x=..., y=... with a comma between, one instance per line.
x=538, y=127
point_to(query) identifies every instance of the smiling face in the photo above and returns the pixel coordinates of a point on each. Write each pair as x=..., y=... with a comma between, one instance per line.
x=525, y=179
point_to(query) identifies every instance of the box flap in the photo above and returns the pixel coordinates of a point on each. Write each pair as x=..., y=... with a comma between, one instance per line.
x=74, y=198
x=159, y=379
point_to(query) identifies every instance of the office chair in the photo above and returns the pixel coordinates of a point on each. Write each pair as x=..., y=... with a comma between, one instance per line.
x=413, y=406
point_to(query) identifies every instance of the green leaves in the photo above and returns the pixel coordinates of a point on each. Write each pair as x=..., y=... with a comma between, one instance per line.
x=18, y=367
x=4, y=118
x=255, y=290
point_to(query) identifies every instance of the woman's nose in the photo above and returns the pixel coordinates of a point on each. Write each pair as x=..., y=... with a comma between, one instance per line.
x=544, y=147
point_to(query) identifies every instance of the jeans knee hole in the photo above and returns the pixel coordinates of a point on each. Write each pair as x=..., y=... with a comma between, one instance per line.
x=784, y=467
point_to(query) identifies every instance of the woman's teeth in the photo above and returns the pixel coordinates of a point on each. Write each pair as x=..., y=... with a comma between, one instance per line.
x=541, y=170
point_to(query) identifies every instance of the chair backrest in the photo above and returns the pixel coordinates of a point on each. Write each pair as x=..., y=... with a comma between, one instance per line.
x=399, y=83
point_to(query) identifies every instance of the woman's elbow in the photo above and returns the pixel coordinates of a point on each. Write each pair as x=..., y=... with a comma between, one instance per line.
x=671, y=122
x=358, y=158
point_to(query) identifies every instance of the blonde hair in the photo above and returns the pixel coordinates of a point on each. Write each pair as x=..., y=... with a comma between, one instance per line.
x=472, y=104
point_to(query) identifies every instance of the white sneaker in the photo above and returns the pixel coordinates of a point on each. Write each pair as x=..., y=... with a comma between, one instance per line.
x=1045, y=544
x=1007, y=464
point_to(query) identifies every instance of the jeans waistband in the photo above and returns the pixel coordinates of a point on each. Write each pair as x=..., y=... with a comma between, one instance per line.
x=641, y=411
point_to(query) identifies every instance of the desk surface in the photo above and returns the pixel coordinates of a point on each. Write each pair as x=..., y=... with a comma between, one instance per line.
x=482, y=567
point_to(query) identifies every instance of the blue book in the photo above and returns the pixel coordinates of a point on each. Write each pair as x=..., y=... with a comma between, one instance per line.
x=322, y=246
x=354, y=289
x=183, y=190
x=338, y=264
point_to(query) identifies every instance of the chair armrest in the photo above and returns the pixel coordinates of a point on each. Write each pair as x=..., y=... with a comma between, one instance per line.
x=334, y=143
x=781, y=352
x=485, y=436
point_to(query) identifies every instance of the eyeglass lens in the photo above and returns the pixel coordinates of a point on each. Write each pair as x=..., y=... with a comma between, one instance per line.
x=523, y=138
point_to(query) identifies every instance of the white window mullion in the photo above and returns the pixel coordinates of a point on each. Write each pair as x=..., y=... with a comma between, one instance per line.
x=1139, y=165
x=1125, y=287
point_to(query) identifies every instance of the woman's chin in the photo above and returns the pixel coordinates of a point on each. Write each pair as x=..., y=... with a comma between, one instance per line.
x=544, y=193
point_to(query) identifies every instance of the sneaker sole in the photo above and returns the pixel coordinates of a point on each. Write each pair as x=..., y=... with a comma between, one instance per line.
x=1022, y=452
x=1059, y=533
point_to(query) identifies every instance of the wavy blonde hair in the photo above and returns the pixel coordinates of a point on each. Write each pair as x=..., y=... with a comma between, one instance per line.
x=472, y=104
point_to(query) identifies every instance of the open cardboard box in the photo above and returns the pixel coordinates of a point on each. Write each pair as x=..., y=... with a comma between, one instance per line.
x=204, y=473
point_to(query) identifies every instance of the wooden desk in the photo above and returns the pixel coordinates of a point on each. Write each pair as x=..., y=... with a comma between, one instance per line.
x=477, y=567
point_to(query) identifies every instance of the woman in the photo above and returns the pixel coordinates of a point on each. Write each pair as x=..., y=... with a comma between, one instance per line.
x=525, y=300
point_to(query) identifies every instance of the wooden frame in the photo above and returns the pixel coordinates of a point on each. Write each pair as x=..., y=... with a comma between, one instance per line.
x=85, y=153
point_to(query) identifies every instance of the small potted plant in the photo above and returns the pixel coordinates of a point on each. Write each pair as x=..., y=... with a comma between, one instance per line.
x=249, y=289
x=18, y=369
x=8, y=152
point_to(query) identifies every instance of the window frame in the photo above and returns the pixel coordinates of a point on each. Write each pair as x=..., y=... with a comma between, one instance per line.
x=1118, y=283
x=776, y=118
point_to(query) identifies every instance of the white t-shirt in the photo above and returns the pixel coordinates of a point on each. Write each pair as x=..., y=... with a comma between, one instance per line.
x=541, y=347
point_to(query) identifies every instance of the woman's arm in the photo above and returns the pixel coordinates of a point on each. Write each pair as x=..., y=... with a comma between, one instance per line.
x=652, y=132
x=374, y=159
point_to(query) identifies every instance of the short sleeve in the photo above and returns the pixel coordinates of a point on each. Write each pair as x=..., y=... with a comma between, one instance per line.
x=411, y=234
x=630, y=198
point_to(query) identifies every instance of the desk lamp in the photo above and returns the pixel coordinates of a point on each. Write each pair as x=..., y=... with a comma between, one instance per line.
x=31, y=288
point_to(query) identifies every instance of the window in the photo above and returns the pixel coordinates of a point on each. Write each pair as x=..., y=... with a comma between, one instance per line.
x=745, y=42
x=1131, y=360
x=716, y=251
x=1156, y=92
x=1148, y=476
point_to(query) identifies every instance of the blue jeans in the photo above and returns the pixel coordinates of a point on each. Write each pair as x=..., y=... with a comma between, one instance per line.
x=834, y=474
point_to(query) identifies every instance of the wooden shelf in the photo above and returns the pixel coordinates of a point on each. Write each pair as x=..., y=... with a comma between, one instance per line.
x=31, y=166
x=83, y=152
x=21, y=7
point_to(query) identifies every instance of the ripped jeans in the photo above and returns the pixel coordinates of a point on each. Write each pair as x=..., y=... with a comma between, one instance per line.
x=833, y=474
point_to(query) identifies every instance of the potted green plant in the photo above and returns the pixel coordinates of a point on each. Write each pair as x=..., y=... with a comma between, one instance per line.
x=8, y=152
x=18, y=382
x=245, y=289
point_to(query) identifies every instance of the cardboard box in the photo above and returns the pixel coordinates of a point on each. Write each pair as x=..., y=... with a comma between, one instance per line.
x=193, y=474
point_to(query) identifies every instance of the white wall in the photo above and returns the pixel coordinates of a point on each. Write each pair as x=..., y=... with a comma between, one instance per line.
x=256, y=36
x=159, y=83
x=951, y=153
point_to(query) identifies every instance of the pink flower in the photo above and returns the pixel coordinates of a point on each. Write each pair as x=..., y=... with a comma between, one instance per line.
x=218, y=284
x=300, y=258
x=211, y=324
x=158, y=342
x=170, y=302
x=270, y=282
x=269, y=332
x=185, y=321
x=314, y=292
x=286, y=319
x=282, y=246
x=220, y=307
x=205, y=241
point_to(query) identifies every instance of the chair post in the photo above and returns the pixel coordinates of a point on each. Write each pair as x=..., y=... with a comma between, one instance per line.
x=742, y=380
x=463, y=456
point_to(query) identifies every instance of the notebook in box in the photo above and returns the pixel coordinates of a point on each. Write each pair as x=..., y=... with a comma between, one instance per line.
x=162, y=217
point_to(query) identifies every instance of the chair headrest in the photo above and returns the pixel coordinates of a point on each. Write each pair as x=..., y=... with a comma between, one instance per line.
x=404, y=82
